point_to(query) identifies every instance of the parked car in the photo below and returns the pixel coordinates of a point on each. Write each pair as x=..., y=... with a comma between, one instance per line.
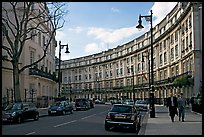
x=60, y=108
x=82, y=103
x=141, y=105
x=18, y=112
x=97, y=101
x=124, y=116
x=129, y=101
x=116, y=101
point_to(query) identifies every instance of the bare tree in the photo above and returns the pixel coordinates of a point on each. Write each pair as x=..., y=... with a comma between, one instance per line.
x=17, y=18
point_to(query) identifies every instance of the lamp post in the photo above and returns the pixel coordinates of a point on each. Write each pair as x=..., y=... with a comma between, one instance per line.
x=132, y=69
x=59, y=72
x=151, y=97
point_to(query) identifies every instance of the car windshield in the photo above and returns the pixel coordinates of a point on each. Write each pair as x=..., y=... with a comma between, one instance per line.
x=121, y=109
x=141, y=102
x=56, y=104
x=16, y=106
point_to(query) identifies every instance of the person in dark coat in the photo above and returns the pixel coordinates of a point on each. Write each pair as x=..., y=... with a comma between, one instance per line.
x=172, y=104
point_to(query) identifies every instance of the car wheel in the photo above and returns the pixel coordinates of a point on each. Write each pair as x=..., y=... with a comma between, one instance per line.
x=19, y=120
x=36, y=116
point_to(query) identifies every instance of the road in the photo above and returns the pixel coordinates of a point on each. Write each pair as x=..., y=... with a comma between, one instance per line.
x=90, y=122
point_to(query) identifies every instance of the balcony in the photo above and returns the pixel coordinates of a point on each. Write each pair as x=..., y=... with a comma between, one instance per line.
x=38, y=72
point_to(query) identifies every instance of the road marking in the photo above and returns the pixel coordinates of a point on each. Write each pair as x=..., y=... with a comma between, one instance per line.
x=103, y=112
x=88, y=116
x=65, y=123
x=30, y=133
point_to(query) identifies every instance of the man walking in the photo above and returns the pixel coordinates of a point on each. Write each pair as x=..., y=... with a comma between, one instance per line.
x=172, y=104
x=181, y=107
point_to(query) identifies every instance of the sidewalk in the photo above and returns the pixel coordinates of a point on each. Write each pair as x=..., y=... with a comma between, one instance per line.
x=162, y=125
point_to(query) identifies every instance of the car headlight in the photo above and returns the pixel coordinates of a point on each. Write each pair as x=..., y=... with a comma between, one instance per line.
x=13, y=114
x=59, y=108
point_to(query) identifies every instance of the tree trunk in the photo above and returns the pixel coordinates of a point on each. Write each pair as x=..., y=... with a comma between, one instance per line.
x=16, y=81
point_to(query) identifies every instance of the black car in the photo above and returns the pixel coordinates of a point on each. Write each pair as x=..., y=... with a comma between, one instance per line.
x=18, y=112
x=82, y=103
x=123, y=116
x=60, y=108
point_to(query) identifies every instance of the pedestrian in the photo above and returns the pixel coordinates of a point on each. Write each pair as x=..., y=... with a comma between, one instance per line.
x=181, y=107
x=172, y=104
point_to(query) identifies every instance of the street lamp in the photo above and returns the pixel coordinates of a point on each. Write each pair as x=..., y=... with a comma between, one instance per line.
x=132, y=69
x=151, y=97
x=59, y=72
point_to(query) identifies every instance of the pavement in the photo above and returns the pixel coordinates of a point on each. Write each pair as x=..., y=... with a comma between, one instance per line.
x=162, y=125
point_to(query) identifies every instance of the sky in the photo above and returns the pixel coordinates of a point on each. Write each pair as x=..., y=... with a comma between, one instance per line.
x=93, y=27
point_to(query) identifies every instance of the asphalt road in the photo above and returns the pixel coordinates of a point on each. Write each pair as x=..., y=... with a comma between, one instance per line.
x=90, y=122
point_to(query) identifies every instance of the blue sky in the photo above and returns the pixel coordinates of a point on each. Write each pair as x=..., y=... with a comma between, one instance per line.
x=93, y=27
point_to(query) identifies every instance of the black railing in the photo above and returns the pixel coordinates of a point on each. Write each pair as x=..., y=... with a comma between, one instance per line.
x=38, y=72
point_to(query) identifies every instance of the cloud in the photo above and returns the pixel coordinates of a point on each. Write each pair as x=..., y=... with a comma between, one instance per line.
x=111, y=35
x=115, y=10
x=92, y=47
x=160, y=10
x=76, y=29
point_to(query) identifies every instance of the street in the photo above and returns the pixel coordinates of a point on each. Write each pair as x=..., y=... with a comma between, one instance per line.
x=90, y=122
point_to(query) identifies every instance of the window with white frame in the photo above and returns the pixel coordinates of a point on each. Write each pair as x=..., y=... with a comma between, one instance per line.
x=128, y=60
x=190, y=40
x=176, y=35
x=138, y=57
x=160, y=75
x=187, y=25
x=32, y=56
x=160, y=59
x=165, y=44
x=186, y=43
x=154, y=62
x=182, y=29
x=165, y=73
x=165, y=58
x=121, y=71
x=172, y=38
x=172, y=54
x=176, y=50
x=190, y=20
x=138, y=67
x=117, y=72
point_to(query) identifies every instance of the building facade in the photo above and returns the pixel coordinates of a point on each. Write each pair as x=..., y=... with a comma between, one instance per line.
x=124, y=71
x=37, y=83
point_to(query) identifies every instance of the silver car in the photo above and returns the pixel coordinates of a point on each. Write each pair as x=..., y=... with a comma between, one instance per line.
x=141, y=105
x=129, y=102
